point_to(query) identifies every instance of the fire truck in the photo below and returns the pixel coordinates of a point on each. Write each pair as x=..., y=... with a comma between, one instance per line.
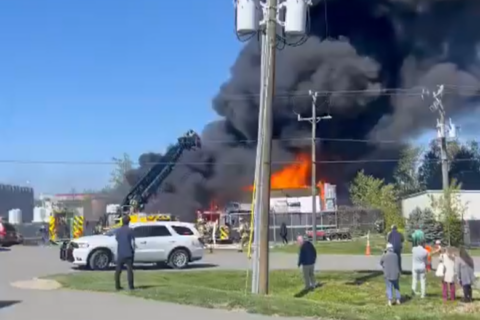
x=140, y=194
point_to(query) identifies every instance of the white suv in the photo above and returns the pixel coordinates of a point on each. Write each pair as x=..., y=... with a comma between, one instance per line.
x=171, y=242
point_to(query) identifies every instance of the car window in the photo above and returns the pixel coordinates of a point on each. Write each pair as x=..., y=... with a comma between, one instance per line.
x=8, y=227
x=183, y=231
x=159, y=231
x=142, y=232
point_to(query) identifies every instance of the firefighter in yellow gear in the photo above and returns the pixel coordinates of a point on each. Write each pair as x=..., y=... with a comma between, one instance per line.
x=243, y=229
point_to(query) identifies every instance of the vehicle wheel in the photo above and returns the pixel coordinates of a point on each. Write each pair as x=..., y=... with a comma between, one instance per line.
x=100, y=260
x=7, y=245
x=344, y=236
x=179, y=259
x=333, y=237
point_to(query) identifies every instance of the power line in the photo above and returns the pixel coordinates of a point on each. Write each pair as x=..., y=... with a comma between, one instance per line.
x=416, y=91
x=94, y=163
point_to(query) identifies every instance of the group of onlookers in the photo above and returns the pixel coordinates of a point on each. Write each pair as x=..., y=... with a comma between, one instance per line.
x=455, y=266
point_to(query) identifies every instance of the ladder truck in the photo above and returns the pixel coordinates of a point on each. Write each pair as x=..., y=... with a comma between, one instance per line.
x=150, y=183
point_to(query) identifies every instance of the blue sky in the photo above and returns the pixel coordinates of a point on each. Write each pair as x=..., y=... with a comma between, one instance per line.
x=85, y=80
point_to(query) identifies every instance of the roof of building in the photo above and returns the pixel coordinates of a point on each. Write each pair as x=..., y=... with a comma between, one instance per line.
x=435, y=191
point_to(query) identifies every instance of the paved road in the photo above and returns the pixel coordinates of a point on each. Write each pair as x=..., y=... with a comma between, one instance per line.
x=24, y=263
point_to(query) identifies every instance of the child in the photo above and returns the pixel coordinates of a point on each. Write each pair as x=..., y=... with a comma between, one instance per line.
x=391, y=271
x=447, y=262
x=465, y=273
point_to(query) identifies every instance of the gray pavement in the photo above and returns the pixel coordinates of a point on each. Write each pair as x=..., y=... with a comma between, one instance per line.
x=24, y=263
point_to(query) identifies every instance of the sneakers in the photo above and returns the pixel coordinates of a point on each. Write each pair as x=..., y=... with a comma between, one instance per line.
x=399, y=302
x=389, y=303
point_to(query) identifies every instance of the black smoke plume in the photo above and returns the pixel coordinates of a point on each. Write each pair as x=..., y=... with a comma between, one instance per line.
x=354, y=45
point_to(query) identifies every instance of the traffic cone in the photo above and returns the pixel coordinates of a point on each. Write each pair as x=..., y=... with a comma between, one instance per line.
x=367, y=249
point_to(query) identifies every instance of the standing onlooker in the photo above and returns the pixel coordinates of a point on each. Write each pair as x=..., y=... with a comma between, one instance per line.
x=284, y=233
x=447, y=263
x=419, y=268
x=466, y=274
x=395, y=238
x=391, y=271
x=306, y=258
x=125, y=252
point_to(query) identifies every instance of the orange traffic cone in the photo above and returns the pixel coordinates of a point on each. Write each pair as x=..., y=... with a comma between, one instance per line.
x=367, y=250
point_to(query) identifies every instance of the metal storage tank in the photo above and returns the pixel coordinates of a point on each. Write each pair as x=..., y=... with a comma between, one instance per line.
x=15, y=216
x=99, y=208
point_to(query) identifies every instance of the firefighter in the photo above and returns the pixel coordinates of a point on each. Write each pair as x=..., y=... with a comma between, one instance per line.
x=244, y=233
x=201, y=228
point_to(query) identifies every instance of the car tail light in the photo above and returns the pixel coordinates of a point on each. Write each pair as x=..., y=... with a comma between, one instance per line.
x=3, y=232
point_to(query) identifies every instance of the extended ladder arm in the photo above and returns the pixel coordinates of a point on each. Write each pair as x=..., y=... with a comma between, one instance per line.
x=140, y=194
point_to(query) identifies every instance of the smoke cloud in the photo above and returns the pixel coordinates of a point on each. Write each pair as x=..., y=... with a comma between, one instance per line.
x=370, y=45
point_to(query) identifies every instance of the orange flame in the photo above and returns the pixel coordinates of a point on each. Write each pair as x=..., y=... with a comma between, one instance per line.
x=295, y=176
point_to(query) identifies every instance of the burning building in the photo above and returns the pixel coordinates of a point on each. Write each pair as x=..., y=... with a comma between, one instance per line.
x=357, y=49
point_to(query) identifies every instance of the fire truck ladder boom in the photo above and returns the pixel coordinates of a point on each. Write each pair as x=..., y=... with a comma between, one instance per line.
x=140, y=194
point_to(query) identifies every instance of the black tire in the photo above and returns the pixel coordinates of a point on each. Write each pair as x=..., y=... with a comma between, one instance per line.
x=179, y=259
x=100, y=260
x=7, y=245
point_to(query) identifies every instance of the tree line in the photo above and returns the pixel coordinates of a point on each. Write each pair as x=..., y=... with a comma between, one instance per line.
x=419, y=170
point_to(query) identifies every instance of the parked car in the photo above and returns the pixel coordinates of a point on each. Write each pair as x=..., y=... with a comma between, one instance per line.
x=160, y=242
x=8, y=234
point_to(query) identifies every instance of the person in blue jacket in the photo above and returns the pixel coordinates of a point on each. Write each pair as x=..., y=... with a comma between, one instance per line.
x=307, y=257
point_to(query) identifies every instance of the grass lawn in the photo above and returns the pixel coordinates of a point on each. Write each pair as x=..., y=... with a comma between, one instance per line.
x=347, y=296
x=356, y=246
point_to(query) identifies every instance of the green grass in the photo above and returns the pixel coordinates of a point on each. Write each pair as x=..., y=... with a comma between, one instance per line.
x=347, y=296
x=356, y=246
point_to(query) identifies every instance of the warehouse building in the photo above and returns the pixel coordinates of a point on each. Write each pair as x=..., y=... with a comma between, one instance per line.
x=16, y=197
x=471, y=217
x=422, y=200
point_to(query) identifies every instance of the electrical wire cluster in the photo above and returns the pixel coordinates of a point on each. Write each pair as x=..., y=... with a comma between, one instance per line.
x=109, y=163
x=450, y=90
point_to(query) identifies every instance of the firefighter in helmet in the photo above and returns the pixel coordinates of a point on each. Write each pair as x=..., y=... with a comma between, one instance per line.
x=243, y=229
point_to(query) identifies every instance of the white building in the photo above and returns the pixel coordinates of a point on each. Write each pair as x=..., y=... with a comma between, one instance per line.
x=422, y=200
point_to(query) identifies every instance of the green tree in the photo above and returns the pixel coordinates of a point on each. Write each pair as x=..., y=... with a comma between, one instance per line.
x=117, y=177
x=464, y=165
x=368, y=191
x=450, y=211
x=406, y=177
x=425, y=220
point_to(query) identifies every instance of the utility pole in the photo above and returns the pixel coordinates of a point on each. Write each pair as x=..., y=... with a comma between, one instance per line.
x=258, y=166
x=269, y=37
x=437, y=106
x=314, y=120
x=247, y=25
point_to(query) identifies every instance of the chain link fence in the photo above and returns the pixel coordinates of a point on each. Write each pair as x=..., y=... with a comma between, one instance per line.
x=358, y=220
